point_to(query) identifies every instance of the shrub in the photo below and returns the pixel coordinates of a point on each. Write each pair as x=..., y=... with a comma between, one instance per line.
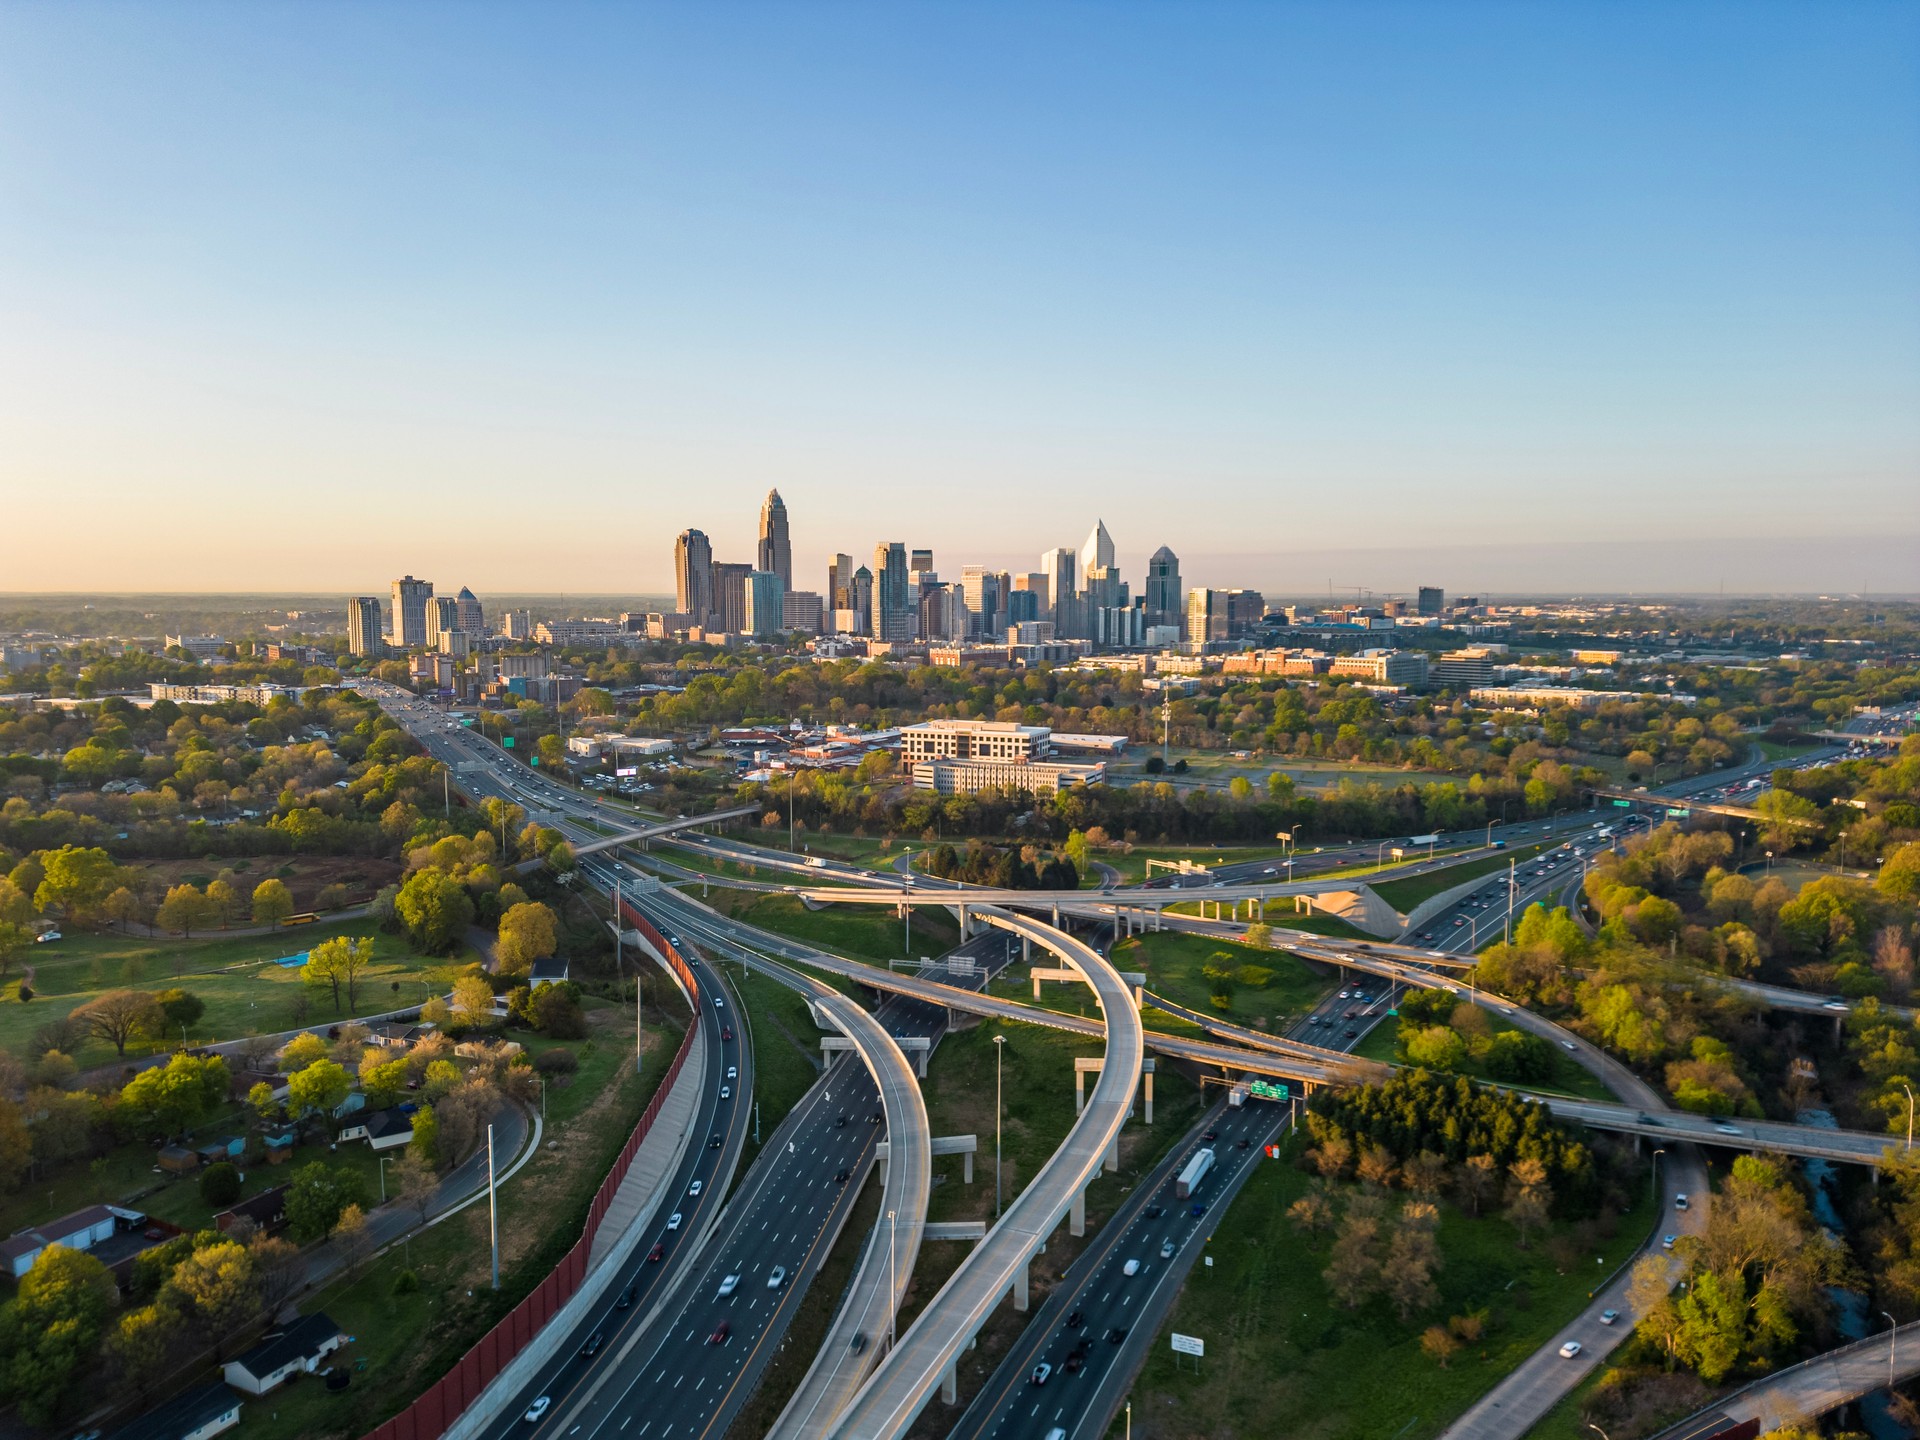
x=220, y=1184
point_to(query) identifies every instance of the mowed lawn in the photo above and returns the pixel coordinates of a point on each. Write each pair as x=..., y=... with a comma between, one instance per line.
x=245, y=992
x=1173, y=962
x=860, y=932
x=1404, y=895
x=1284, y=1358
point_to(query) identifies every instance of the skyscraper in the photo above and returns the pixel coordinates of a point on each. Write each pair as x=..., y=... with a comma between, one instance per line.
x=473, y=619
x=1433, y=600
x=920, y=560
x=985, y=604
x=693, y=576
x=410, y=598
x=860, y=591
x=776, y=554
x=892, y=606
x=730, y=596
x=1098, y=551
x=1163, y=588
x=363, y=625
x=1062, y=572
x=840, y=583
x=1206, y=616
x=443, y=618
x=766, y=605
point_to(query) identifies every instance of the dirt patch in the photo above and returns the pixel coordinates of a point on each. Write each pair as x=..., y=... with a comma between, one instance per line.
x=305, y=876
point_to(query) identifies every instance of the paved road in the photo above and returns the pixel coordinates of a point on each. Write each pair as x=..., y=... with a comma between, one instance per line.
x=1813, y=1387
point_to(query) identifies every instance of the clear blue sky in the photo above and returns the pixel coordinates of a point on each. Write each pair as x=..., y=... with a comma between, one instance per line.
x=298, y=296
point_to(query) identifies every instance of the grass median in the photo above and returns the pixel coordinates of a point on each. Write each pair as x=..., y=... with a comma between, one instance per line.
x=1405, y=895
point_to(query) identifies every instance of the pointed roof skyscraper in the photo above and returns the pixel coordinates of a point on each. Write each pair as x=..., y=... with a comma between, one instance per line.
x=1097, y=551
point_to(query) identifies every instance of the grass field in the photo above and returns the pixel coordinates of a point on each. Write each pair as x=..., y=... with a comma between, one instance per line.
x=861, y=932
x=1405, y=895
x=1283, y=1358
x=1172, y=963
x=245, y=992
x=786, y=1043
x=1569, y=1078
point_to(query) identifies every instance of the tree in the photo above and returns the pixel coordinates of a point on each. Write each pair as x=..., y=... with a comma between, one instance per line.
x=183, y=909
x=424, y=1147
x=383, y=1083
x=320, y=1088
x=223, y=900
x=261, y=1101
x=220, y=1185
x=341, y=961
x=216, y=1289
x=16, y=1145
x=15, y=906
x=528, y=932
x=352, y=1238
x=417, y=1181
x=472, y=1001
x=556, y=1012
x=317, y=1194
x=1899, y=877
x=121, y=1016
x=1260, y=936
x=14, y=940
x=48, y=1332
x=280, y=1268
x=435, y=908
x=169, y=1099
x=145, y=1344
x=1438, y=1345
x=301, y=1051
x=560, y=858
x=75, y=880
x=182, y=1008
x=272, y=903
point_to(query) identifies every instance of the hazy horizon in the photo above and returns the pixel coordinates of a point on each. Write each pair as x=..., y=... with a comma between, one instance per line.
x=1506, y=300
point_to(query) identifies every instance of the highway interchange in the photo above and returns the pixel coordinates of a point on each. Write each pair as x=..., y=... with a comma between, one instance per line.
x=671, y=1327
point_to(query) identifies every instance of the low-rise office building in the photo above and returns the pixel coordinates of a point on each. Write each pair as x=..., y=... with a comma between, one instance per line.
x=1038, y=777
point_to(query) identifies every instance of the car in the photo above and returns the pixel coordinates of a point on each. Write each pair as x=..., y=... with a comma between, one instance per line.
x=730, y=1284
x=1132, y=1267
x=719, y=1002
x=46, y=937
x=654, y=1256
x=1041, y=1373
x=726, y=1032
x=696, y=1187
x=538, y=1409
x=726, y=1092
x=1726, y=1129
x=720, y=1334
x=1569, y=1045
x=1839, y=1005
x=592, y=1347
x=1211, y=1136
x=874, y=1118
x=1353, y=1034
x=673, y=1221
x=1075, y=1359
x=1608, y=1317
x=776, y=1277
x=1243, y=1143
x=1116, y=1334
x=1346, y=994
x=1166, y=1250
x=840, y=1121
x=1680, y=1201
x=1076, y=1320
x=1666, y=1241
x=1570, y=1349
x=1197, y=1210
x=733, y=1072
x=625, y=1302
x=858, y=1343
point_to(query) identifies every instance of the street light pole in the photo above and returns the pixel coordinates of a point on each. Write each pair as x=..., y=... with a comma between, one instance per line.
x=893, y=1299
x=493, y=1211
x=1893, y=1345
x=999, y=1049
x=1653, y=1179
x=1909, y=1089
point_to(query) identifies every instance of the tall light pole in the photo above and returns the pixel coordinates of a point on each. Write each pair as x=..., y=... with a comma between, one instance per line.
x=493, y=1211
x=893, y=1298
x=1909, y=1089
x=1653, y=1179
x=999, y=1049
x=1893, y=1345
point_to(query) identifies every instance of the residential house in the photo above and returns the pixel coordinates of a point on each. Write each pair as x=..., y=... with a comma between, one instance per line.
x=201, y=1413
x=266, y=1211
x=381, y=1129
x=82, y=1230
x=296, y=1350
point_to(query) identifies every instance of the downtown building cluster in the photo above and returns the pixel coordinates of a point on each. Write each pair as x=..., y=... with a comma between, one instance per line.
x=1074, y=603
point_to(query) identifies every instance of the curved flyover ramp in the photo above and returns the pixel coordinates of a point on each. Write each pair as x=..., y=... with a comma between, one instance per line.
x=889, y=1402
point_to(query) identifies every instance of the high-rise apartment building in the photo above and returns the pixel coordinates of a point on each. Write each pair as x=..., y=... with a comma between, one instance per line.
x=892, y=605
x=766, y=605
x=729, y=597
x=693, y=575
x=776, y=553
x=1163, y=588
x=363, y=625
x=805, y=612
x=1433, y=600
x=443, y=618
x=409, y=616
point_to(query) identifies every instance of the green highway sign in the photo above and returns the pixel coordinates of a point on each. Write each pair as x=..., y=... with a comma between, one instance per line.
x=1266, y=1090
x=508, y=742
x=1622, y=804
x=1676, y=812
x=534, y=761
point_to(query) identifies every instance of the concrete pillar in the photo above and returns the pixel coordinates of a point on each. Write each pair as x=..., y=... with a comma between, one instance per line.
x=1020, y=1296
x=1113, y=1154
x=1026, y=949
x=1836, y=1032
x=1036, y=989
x=966, y=1167
x=1077, y=1216
x=1139, y=996
x=964, y=932
x=1079, y=1091
x=1056, y=916
x=920, y=1061
x=1146, y=1079
x=950, y=1383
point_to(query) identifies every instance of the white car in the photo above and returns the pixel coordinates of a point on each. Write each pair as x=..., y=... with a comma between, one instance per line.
x=1680, y=1201
x=733, y=1072
x=694, y=1188
x=726, y=1092
x=673, y=1221
x=1607, y=1317
x=776, y=1277
x=537, y=1409
x=730, y=1284
x=46, y=937
x=1570, y=1349
x=1666, y=1241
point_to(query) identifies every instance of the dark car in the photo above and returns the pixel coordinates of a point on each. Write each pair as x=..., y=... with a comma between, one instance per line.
x=713, y=1142
x=592, y=1347
x=1154, y=1212
x=858, y=1343
x=719, y=1336
x=1076, y=1320
x=1243, y=1144
x=1211, y=1136
x=874, y=1118
x=1198, y=1210
x=1116, y=1334
x=843, y=1176
x=726, y=1032
x=841, y=1122
x=1073, y=1362
x=626, y=1296
x=1353, y=1034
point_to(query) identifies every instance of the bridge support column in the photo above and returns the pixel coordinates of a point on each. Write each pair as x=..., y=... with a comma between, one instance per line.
x=1077, y=1215
x=1056, y=917
x=1146, y=1081
x=964, y=932
x=920, y=1062
x=1020, y=1296
x=1113, y=1154
x=950, y=1383
x=1079, y=1082
x=1836, y=1032
x=1026, y=950
x=966, y=1167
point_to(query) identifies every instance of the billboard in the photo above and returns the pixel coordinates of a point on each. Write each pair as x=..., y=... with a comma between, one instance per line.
x=1188, y=1344
x=626, y=772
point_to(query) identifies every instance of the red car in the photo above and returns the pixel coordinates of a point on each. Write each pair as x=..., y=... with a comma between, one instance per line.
x=726, y=1032
x=658, y=1252
x=719, y=1337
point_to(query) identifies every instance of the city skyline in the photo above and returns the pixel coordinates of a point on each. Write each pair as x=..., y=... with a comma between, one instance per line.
x=1572, y=283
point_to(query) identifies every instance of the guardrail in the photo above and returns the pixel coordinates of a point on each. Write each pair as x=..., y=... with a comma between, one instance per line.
x=434, y=1411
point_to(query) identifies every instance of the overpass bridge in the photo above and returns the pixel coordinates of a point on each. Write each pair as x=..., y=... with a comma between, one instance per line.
x=1708, y=807
x=665, y=827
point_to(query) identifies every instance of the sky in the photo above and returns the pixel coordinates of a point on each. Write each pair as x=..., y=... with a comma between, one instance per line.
x=1496, y=296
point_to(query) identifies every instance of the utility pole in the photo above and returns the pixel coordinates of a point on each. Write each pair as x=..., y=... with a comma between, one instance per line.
x=493, y=1211
x=999, y=1049
x=1512, y=881
x=1166, y=724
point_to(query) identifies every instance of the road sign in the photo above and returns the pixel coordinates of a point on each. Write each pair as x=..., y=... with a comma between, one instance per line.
x=1188, y=1344
x=1267, y=1090
x=508, y=742
x=1623, y=804
x=1677, y=812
